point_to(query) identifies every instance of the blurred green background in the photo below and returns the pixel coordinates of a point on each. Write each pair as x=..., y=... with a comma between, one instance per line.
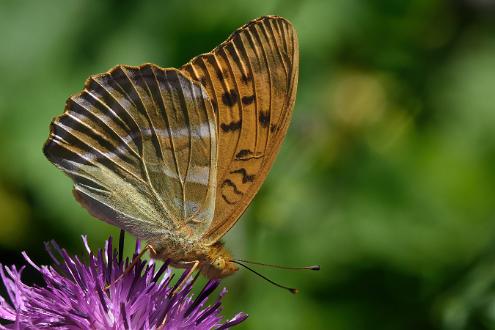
x=386, y=177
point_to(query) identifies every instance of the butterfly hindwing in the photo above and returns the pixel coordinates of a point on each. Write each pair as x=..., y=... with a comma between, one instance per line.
x=251, y=79
x=140, y=145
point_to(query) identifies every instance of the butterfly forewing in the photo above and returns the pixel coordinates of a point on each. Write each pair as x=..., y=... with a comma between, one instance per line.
x=251, y=79
x=140, y=144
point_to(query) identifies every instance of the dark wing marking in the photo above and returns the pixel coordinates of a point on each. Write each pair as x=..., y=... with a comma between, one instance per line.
x=252, y=80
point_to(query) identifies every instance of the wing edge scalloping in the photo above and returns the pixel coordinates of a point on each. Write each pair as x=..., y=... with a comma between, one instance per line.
x=208, y=109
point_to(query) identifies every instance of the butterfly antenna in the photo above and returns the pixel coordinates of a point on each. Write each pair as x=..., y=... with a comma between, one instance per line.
x=314, y=267
x=291, y=290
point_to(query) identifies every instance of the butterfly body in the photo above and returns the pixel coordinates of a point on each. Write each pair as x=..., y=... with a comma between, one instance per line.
x=213, y=260
x=175, y=156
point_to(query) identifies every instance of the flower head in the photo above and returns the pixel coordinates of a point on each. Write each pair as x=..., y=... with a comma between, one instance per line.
x=74, y=295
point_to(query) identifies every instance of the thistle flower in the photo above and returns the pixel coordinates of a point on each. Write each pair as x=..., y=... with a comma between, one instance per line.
x=74, y=295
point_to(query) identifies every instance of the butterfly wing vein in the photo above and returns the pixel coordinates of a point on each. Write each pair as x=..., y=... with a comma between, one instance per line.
x=251, y=79
x=156, y=151
x=140, y=145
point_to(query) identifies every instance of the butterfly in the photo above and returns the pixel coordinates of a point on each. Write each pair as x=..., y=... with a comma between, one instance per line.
x=175, y=156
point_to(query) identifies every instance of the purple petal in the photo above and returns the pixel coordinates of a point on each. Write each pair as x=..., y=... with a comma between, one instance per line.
x=234, y=321
x=73, y=295
x=24, y=254
x=86, y=244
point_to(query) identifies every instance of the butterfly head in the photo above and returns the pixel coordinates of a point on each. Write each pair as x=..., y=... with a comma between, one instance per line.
x=218, y=263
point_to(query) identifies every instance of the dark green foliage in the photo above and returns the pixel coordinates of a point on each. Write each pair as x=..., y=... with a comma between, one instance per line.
x=386, y=177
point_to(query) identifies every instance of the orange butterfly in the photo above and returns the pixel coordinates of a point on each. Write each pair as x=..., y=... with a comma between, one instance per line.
x=174, y=156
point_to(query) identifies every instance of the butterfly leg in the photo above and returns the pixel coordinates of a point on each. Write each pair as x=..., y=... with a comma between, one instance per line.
x=191, y=270
x=132, y=264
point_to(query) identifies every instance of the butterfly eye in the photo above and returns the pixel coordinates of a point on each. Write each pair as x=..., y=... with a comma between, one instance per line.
x=219, y=263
